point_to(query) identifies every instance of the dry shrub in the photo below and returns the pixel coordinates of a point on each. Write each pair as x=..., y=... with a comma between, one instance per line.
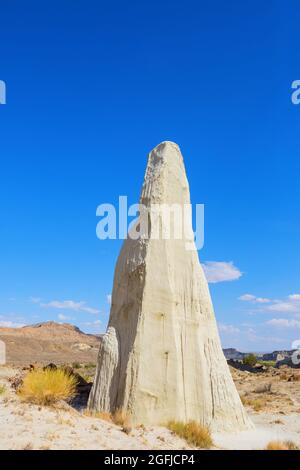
x=283, y=376
x=281, y=445
x=120, y=417
x=76, y=365
x=294, y=378
x=104, y=415
x=192, y=432
x=127, y=428
x=2, y=389
x=291, y=445
x=65, y=421
x=46, y=387
x=256, y=403
x=28, y=446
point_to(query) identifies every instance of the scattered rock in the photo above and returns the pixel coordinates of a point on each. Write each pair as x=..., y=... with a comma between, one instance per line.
x=264, y=388
x=16, y=381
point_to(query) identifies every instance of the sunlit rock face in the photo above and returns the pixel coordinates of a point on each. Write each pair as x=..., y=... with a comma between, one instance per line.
x=161, y=357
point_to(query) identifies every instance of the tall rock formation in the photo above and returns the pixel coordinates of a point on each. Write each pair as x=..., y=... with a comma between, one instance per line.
x=161, y=357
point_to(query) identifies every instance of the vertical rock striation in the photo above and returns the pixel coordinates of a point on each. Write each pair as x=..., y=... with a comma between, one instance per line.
x=161, y=357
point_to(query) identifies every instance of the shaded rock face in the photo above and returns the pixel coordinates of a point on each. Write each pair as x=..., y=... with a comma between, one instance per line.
x=161, y=357
x=231, y=353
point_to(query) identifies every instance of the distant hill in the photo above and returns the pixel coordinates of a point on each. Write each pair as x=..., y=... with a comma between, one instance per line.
x=280, y=357
x=46, y=342
x=49, y=342
x=231, y=353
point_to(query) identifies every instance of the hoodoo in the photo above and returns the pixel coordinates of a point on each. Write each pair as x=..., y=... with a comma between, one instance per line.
x=161, y=357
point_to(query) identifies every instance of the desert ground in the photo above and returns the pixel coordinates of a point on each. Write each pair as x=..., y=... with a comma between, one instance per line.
x=272, y=399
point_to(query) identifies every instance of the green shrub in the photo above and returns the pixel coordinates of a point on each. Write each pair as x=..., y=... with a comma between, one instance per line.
x=90, y=365
x=76, y=365
x=250, y=360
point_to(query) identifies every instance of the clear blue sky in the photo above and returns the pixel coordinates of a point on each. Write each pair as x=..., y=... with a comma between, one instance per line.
x=92, y=86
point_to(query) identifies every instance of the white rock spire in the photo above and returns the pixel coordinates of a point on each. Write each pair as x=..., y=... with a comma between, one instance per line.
x=161, y=357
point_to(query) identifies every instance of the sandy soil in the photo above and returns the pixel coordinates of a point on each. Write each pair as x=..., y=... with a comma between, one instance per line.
x=276, y=417
x=25, y=426
x=267, y=428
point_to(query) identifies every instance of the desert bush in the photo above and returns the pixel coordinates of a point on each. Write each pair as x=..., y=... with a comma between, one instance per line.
x=104, y=415
x=90, y=365
x=192, y=432
x=283, y=376
x=256, y=404
x=291, y=445
x=281, y=445
x=250, y=360
x=120, y=417
x=2, y=389
x=76, y=365
x=45, y=387
x=294, y=378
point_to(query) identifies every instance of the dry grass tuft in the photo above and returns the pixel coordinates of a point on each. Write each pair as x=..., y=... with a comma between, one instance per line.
x=46, y=387
x=120, y=417
x=281, y=445
x=263, y=388
x=2, y=389
x=192, y=432
x=291, y=445
x=289, y=377
x=127, y=428
x=256, y=404
x=294, y=378
x=64, y=421
x=283, y=376
x=28, y=446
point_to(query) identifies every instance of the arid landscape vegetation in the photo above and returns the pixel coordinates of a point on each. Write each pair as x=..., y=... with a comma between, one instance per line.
x=270, y=394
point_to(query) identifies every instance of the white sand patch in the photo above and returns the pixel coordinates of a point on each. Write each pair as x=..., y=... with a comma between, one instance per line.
x=267, y=428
